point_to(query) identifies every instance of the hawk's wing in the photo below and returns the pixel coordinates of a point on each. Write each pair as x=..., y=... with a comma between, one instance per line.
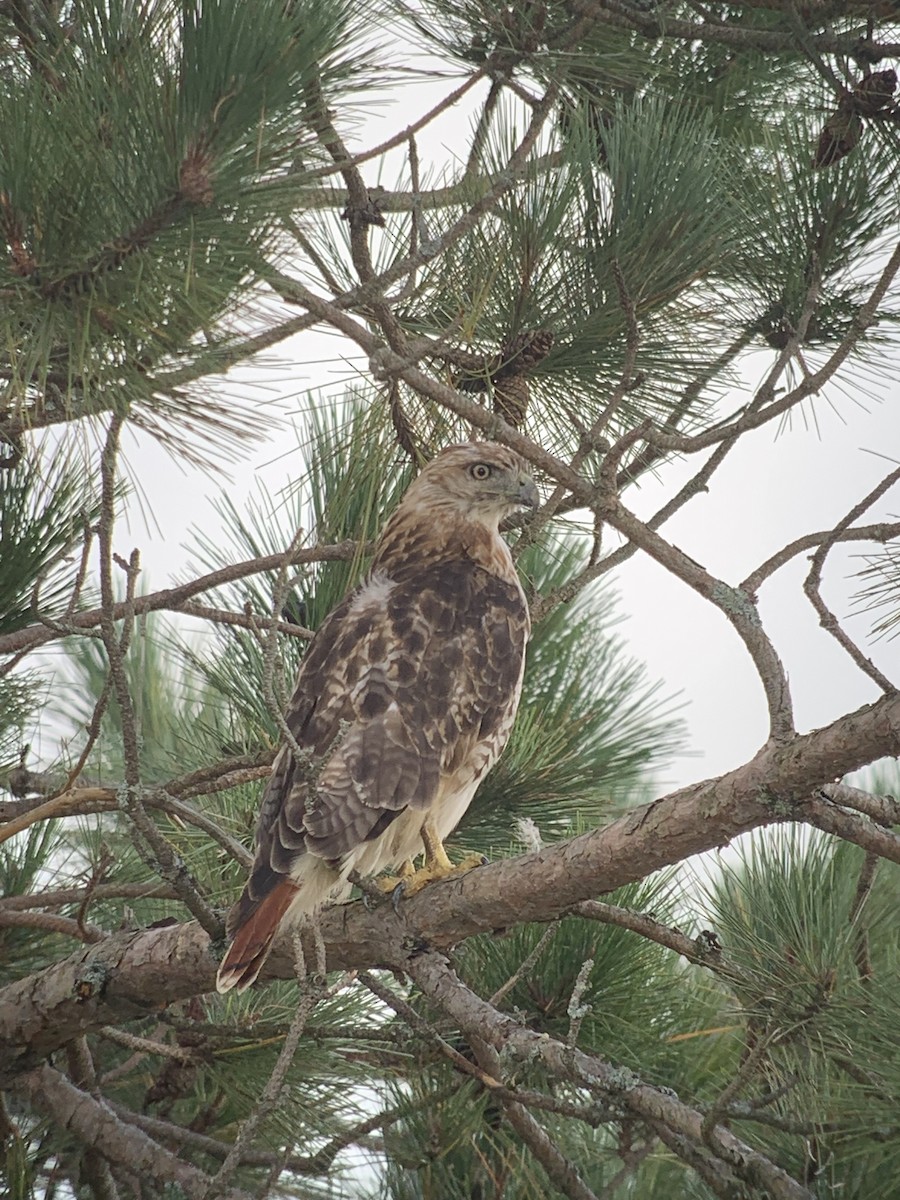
x=402, y=681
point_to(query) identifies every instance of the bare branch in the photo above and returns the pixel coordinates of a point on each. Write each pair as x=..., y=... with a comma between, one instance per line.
x=173, y=598
x=812, y=584
x=882, y=533
x=49, y=923
x=852, y=828
x=702, y=950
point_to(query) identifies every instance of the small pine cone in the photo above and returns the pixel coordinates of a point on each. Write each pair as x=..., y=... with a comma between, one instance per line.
x=840, y=135
x=524, y=351
x=471, y=371
x=873, y=93
x=511, y=396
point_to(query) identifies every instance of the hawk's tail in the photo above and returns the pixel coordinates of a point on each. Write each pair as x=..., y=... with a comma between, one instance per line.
x=253, y=937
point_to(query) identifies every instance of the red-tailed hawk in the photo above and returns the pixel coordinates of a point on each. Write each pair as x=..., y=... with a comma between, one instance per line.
x=404, y=699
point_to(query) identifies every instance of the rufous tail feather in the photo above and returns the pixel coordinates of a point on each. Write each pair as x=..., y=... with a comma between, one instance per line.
x=253, y=939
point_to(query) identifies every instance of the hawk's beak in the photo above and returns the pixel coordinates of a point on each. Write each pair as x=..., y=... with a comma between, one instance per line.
x=526, y=493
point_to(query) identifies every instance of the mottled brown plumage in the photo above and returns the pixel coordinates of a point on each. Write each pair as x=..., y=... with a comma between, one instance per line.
x=405, y=698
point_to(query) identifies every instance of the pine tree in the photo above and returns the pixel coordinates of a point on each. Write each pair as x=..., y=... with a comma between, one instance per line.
x=671, y=225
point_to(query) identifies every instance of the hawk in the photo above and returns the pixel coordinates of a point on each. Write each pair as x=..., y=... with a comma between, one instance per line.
x=404, y=699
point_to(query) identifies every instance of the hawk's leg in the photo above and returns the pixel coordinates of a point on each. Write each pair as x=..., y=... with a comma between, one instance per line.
x=435, y=855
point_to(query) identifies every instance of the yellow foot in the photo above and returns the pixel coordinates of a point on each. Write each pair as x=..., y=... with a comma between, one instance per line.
x=436, y=869
x=388, y=883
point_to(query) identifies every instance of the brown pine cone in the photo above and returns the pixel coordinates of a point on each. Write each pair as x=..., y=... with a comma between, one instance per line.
x=524, y=351
x=873, y=93
x=840, y=135
x=511, y=397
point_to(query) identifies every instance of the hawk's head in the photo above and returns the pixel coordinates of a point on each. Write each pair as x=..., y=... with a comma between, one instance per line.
x=479, y=481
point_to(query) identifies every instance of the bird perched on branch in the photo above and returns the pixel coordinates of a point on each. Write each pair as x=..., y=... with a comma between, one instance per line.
x=404, y=699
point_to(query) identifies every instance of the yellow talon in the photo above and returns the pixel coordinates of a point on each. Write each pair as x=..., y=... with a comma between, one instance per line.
x=437, y=864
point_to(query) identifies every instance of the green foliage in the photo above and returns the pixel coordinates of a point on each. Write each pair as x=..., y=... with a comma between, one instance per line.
x=18, y=700
x=45, y=507
x=881, y=591
x=194, y=123
x=813, y=970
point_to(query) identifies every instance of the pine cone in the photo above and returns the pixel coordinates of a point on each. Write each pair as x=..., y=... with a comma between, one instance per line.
x=511, y=397
x=524, y=351
x=873, y=93
x=840, y=135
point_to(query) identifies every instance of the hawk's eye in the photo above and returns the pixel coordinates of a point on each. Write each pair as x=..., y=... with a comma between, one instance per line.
x=480, y=471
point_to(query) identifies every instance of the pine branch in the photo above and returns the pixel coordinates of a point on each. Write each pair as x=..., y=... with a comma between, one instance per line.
x=476, y=1018
x=621, y=15
x=128, y=972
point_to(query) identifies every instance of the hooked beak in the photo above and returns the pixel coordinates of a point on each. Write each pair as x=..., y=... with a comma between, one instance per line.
x=527, y=494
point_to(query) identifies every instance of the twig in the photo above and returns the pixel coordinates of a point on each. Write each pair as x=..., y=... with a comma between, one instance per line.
x=303, y=1164
x=49, y=923
x=526, y=964
x=173, y=598
x=703, y=950
x=220, y=616
x=81, y=801
x=404, y=135
x=143, y=1046
x=812, y=584
x=575, y=1010
x=647, y=456
x=734, y=1086
x=867, y=873
x=56, y=897
x=882, y=532
x=482, y=128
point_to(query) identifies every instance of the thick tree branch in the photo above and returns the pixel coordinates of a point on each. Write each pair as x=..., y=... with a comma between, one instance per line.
x=95, y=1124
x=131, y=975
